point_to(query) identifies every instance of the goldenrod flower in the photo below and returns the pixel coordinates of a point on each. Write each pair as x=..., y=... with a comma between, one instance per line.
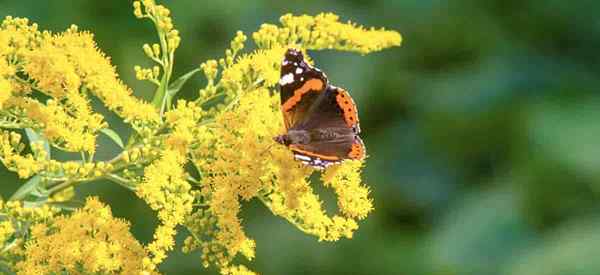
x=324, y=31
x=10, y=155
x=89, y=241
x=166, y=190
x=225, y=134
x=6, y=230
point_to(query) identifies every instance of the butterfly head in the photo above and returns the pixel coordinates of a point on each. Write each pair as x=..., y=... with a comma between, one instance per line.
x=283, y=139
x=293, y=56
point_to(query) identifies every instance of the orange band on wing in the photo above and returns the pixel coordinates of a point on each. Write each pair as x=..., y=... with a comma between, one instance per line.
x=312, y=154
x=311, y=85
x=357, y=151
x=348, y=107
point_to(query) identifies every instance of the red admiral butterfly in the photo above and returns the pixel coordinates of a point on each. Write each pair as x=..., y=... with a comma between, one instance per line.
x=321, y=120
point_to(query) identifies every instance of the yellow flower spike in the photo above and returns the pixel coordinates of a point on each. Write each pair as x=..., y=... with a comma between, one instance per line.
x=353, y=197
x=324, y=31
x=6, y=230
x=166, y=190
x=80, y=241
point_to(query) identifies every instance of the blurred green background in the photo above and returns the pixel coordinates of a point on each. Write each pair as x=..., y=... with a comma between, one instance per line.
x=482, y=131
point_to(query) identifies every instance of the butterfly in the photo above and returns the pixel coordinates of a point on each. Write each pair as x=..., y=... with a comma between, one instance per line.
x=321, y=120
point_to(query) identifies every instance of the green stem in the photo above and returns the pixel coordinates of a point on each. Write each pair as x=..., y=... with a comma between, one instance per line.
x=159, y=100
x=120, y=181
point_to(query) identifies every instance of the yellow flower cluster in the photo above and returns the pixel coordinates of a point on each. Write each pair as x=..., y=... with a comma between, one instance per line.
x=353, y=198
x=70, y=125
x=10, y=155
x=17, y=36
x=160, y=15
x=165, y=187
x=15, y=225
x=239, y=161
x=166, y=190
x=162, y=54
x=88, y=241
x=183, y=121
x=68, y=67
x=29, y=164
x=324, y=31
x=7, y=229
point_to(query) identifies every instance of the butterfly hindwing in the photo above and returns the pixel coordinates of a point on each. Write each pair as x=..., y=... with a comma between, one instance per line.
x=333, y=117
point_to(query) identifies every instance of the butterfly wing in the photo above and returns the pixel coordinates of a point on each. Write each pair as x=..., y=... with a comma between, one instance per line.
x=326, y=112
x=324, y=153
x=333, y=123
x=300, y=86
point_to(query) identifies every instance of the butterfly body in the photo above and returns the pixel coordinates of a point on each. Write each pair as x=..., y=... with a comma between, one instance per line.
x=321, y=120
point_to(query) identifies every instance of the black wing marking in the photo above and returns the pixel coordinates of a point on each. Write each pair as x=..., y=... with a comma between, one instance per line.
x=300, y=84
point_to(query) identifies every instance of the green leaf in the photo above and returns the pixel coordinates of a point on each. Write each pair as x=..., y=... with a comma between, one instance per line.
x=27, y=188
x=35, y=137
x=36, y=203
x=178, y=84
x=5, y=269
x=67, y=205
x=113, y=135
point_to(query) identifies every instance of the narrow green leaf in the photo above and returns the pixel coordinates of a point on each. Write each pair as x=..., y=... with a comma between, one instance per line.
x=35, y=137
x=178, y=84
x=113, y=135
x=67, y=205
x=27, y=188
x=35, y=204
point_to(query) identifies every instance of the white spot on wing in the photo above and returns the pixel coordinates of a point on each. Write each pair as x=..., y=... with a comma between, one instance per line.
x=302, y=157
x=298, y=70
x=286, y=79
